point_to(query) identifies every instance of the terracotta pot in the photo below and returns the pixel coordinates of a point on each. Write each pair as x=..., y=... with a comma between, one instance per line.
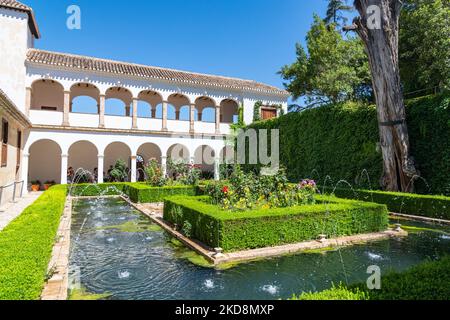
x=35, y=187
x=47, y=186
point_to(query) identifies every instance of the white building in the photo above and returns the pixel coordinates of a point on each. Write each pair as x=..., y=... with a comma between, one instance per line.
x=162, y=109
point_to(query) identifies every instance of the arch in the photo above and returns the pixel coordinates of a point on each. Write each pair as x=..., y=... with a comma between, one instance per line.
x=185, y=113
x=204, y=157
x=118, y=101
x=145, y=153
x=84, y=155
x=148, y=100
x=229, y=111
x=227, y=155
x=45, y=161
x=178, y=152
x=113, y=152
x=206, y=107
x=84, y=104
x=150, y=151
x=47, y=95
x=84, y=89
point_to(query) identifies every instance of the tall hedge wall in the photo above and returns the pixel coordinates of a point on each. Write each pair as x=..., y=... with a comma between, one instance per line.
x=341, y=141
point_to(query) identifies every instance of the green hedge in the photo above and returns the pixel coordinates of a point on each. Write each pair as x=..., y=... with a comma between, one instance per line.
x=138, y=192
x=26, y=246
x=341, y=141
x=264, y=228
x=427, y=281
x=414, y=204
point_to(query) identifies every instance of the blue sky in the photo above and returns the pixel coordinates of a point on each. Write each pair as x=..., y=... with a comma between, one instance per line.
x=249, y=39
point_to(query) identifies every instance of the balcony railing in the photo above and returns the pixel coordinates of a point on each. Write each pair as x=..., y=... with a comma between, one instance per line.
x=84, y=120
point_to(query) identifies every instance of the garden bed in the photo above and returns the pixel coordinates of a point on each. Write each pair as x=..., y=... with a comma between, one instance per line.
x=197, y=218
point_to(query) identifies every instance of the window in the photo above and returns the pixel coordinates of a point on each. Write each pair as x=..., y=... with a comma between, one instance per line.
x=5, y=135
x=19, y=148
x=268, y=113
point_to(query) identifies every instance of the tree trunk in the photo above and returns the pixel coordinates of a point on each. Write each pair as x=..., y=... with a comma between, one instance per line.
x=382, y=49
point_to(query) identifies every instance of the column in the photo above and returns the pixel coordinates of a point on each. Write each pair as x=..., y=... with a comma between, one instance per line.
x=24, y=171
x=133, y=168
x=28, y=101
x=66, y=109
x=177, y=114
x=164, y=116
x=127, y=111
x=200, y=116
x=64, y=165
x=153, y=110
x=217, y=169
x=192, y=118
x=217, y=119
x=101, y=122
x=100, y=168
x=135, y=112
x=164, y=165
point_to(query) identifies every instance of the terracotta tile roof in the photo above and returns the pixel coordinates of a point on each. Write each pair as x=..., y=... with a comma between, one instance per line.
x=84, y=63
x=16, y=5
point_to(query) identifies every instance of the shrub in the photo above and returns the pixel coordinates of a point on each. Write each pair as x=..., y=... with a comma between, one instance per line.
x=414, y=204
x=26, y=246
x=154, y=174
x=89, y=190
x=426, y=281
x=141, y=193
x=336, y=293
x=340, y=141
x=262, y=227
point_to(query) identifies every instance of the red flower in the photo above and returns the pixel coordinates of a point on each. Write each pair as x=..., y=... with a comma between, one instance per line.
x=225, y=189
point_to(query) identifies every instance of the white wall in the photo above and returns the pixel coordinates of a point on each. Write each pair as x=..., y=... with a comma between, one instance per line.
x=14, y=42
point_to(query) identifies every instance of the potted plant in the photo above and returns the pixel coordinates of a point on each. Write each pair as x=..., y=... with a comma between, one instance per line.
x=35, y=185
x=48, y=184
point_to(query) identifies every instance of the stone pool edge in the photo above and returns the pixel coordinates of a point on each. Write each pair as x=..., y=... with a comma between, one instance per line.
x=57, y=286
x=268, y=252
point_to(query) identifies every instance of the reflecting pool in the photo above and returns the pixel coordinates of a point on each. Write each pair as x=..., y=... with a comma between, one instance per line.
x=118, y=251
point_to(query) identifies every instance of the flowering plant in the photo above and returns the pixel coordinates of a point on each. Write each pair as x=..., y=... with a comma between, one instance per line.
x=245, y=191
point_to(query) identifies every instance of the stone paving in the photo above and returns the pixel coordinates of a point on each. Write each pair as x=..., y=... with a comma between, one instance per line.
x=56, y=288
x=11, y=210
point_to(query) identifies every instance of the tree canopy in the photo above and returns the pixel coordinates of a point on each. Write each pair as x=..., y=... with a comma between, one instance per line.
x=424, y=45
x=331, y=69
x=335, y=11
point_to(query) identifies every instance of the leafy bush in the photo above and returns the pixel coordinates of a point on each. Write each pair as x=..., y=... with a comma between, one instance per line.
x=341, y=141
x=26, y=246
x=414, y=204
x=154, y=174
x=119, y=172
x=89, y=190
x=336, y=293
x=182, y=172
x=426, y=281
x=270, y=227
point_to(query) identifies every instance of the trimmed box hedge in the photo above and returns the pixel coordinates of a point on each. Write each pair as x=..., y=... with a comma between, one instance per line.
x=251, y=229
x=26, y=246
x=138, y=192
x=407, y=203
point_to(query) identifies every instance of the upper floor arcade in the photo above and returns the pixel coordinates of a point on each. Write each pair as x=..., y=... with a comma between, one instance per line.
x=76, y=91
